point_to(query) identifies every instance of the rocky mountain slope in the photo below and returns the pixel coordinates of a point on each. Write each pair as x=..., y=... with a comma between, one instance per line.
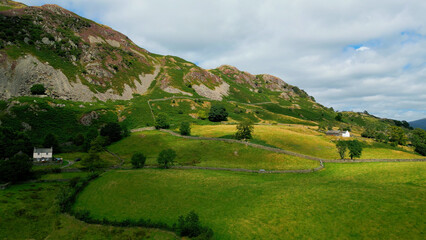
x=78, y=59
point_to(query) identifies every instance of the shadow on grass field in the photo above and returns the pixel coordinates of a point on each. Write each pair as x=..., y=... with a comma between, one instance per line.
x=29, y=211
x=346, y=201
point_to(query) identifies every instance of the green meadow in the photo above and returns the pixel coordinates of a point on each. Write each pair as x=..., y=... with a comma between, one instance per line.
x=29, y=211
x=344, y=201
x=206, y=153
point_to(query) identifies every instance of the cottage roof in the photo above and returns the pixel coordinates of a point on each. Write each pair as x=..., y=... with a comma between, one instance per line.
x=334, y=132
x=43, y=150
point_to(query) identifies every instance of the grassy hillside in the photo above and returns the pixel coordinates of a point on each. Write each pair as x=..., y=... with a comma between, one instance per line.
x=305, y=140
x=347, y=201
x=206, y=153
x=29, y=211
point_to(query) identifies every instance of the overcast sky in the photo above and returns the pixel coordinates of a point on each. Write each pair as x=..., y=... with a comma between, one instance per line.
x=350, y=55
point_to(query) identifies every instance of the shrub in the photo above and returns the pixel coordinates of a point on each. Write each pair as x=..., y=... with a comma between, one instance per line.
x=190, y=226
x=244, y=130
x=218, y=113
x=37, y=89
x=113, y=131
x=138, y=160
x=202, y=115
x=162, y=121
x=185, y=129
x=166, y=158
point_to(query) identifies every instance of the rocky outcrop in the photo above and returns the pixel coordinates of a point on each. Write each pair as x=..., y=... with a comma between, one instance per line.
x=216, y=94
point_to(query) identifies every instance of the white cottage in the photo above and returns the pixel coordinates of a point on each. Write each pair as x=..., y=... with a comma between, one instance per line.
x=43, y=154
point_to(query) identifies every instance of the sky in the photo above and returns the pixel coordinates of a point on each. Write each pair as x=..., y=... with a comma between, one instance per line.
x=352, y=55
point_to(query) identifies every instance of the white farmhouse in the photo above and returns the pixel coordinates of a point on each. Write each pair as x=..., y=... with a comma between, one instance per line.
x=43, y=154
x=346, y=134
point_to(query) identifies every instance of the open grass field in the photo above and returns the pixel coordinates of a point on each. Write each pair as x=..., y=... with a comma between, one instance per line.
x=345, y=201
x=28, y=211
x=206, y=153
x=301, y=139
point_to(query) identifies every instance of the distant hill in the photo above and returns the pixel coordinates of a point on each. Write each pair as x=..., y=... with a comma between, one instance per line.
x=421, y=123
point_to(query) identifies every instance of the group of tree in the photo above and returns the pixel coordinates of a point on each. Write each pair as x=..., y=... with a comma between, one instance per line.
x=418, y=140
x=165, y=159
x=15, y=149
x=190, y=226
x=218, y=113
x=354, y=147
x=37, y=89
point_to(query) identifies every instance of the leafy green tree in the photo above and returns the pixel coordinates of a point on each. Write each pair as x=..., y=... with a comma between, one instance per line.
x=93, y=161
x=339, y=117
x=97, y=145
x=418, y=140
x=50, y=140
x=398, y=136
x=79, y=139
x=185, y=128
x=90, y=136
x=113, y=131
x=190, y=226
x=162, y=121
x=355, y=148
x=244, y=130
x=16, y=168
x=342, y=147
x=218, y=113
x=12, y=142
x=166, y=158
x=138, y=160
x=37, y=89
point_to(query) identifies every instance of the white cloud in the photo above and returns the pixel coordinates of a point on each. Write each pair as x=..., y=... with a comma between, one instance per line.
x=351, y=55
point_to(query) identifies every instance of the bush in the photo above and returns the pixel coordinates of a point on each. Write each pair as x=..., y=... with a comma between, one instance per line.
x=218, y=113
x=202, y=115
x=190, y=226
x=37, y=89
x=185, y=129
x=166, y=158
x=421, y=149
x=138, y=160
x=113, y=131
x=244, y=130
x=162, y=121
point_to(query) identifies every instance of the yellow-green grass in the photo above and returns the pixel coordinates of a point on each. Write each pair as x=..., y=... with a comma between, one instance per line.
x=301, y=139
x=29, y=211
x=206, y=153
x=346, y=201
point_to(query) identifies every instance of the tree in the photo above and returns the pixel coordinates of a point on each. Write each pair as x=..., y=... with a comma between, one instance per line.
x=355, y=148
x=79, y=139
x=97, y=145
x=342, y=147
x=418, y=140
x=50, y=140
x=244, y=130
x=218, y=113
x=113, y=131
x=16, y=168
x=166, y=158
x=185, y=129
x=162, y=121
x=92, y=162
x=12, y=142
x=90, y=136
x=190, y=226
x=37, y=89
x=398, y=136
x=138, y=160
x=339, y=117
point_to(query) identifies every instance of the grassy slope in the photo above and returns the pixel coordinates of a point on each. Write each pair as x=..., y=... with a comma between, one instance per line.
x=301, y=139
x=28, y=211
x=346, y=201
x=206, y=153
